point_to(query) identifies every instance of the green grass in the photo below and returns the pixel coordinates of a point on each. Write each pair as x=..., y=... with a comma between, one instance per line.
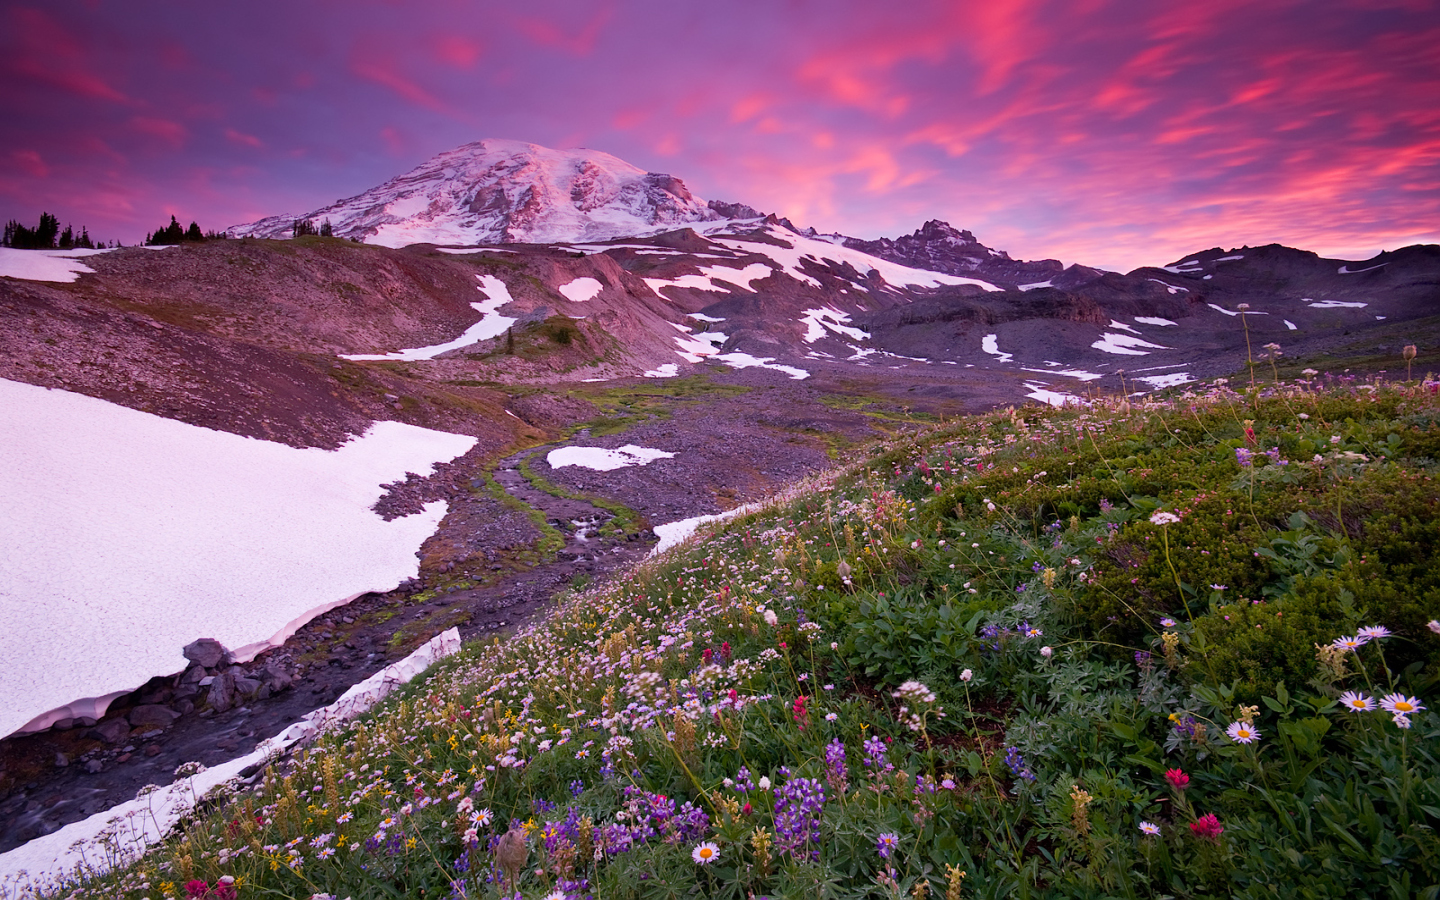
x=624, y=521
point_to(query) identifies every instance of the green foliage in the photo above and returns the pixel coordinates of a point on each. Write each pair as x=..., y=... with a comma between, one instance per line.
x=985, y=643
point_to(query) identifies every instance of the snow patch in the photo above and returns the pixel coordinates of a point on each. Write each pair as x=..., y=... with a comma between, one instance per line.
x=746, y=361
x=1228, y=258
x=1124, y=345
x=1230, y=312
x=1080, y=374
x=667, y=370
x=673, y=533
x=1290, y=325
x=1154, y=320
x=491, y=324
x=581, y=289
x=705, y=281
x=1346, y=270
x=1336, y=304
x=602, y=460
x=701, y=317
x=1169, y=287
x=51, y=265
x=1169, y=380
x=816, y=321
x=232, y=538
x=1038, y=391
x=1038, y=284
x=990, y=343
x=1129, y=328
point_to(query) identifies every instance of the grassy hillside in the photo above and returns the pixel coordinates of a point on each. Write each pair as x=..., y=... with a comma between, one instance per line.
x=1115, y=652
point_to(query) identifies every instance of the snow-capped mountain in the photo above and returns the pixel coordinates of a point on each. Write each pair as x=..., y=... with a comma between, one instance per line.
x=514, y=192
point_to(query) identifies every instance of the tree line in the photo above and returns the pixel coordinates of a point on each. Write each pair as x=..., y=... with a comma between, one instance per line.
x=174, y=234
x=45, y=236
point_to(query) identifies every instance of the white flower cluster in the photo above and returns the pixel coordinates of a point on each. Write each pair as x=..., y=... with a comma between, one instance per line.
x=916, y=699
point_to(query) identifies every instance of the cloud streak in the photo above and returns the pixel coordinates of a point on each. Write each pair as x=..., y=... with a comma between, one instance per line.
x=1110, y=132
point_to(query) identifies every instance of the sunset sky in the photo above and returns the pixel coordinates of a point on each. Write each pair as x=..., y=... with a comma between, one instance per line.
x=1115, y=134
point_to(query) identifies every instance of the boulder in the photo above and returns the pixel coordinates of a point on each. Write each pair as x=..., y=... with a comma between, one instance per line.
x=153, y=716
x=206, y=652
x=276, y=677
x=222, y=692
x=192, y=675
x=246, y=687
x=111, y=731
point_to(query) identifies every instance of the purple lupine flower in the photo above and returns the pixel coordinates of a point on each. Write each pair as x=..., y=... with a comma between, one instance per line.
x=744, y=784
x=1017, y=765
x=798, y=805
x=1244, y=457
x=836, y=774
x=875, y=751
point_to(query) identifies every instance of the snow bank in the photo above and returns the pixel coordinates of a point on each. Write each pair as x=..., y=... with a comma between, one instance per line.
x=1154, y=320
x=1038, y=284
x=144, y=820
x=581, y=289
x=667, y=370
x=491, y=324
x=142, y=534
x=602, y=460
x=672, y=533
x=1336, y=304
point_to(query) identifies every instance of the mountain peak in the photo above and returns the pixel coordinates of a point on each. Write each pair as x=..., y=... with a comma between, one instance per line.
x=496, y=190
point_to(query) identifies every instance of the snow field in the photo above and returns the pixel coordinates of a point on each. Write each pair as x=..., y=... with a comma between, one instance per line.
x=125, y=536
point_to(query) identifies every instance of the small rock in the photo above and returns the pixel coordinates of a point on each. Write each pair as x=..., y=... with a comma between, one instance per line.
x=153, y=715
x=207, y=681
x=61, y=760
x=64, y=725
x=152, y=750
x=124, y=757
x=193, y=675
x=94, y=766
x=206, y=652
x=84, y=722
x=347, y=620
x=184, y=706
x=246, y=687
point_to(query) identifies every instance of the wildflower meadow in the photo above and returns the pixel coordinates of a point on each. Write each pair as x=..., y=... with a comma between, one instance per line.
x=1179, y=647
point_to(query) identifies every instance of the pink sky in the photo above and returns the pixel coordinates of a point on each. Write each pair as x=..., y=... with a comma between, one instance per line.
x=1115, y=134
